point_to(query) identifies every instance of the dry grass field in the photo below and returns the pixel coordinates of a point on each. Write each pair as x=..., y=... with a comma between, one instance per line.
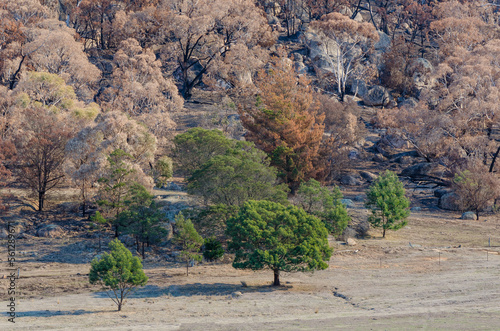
x=438, y=273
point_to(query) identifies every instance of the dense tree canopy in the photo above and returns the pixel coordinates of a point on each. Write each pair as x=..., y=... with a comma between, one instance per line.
x=197, y=146
x=268, y=235
x=325, y=204
x=241, y=174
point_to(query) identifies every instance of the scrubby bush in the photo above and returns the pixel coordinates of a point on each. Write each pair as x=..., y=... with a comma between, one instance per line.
x=349, y=232
x=211, y=220
x=476, y=189
x=387, y=202
x=213, y=249
x=163, y=170
x=189, y=240
x=117, y=271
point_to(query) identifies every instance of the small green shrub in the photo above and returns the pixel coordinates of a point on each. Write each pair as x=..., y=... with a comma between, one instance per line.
x=213, y=249
x=387, y=202
x=163, y=170
x=119, y=272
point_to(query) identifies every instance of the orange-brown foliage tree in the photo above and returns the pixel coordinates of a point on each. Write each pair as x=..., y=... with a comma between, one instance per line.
x=11, y=35
x=467, y=98
x=8, y=113
x=41, y=152
x=47, y=46
x=27, y=12
x=92, y=20
x=16, y=17
x=284, y=123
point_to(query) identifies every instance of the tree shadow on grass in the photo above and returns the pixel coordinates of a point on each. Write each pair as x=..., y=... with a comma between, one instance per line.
x=196, y=289
x=51, y=313
x=148, y=291
x=63, y=254
x=79, y=252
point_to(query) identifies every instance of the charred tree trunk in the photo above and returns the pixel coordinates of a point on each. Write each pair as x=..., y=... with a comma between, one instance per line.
x=356, y=11
x=120, y=300
x=342, y=95
x=14, y=78
x=84, y=198
x=143, y=255
x=84, y=205
x=41, y=199
x=100, y=234
x=492, y=166
x=186, y=88
x=276, y=277
x=102, y=30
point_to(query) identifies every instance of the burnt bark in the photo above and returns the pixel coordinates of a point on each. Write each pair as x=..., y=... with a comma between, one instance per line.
x=143, y=254
x=41, y=199
x=492, y=166
x=276, y=277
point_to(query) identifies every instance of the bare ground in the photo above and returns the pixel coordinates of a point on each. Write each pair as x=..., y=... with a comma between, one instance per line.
x=438, y=273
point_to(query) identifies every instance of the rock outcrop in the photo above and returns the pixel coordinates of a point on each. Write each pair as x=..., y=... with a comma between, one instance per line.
x=449, y=201
x=377, y=96
x=50, y=231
